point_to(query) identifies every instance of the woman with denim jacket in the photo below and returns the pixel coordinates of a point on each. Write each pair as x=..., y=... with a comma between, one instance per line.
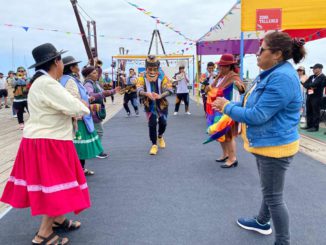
x=270, y=114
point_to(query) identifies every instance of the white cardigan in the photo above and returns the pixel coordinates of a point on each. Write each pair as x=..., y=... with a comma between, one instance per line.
x=51, y=109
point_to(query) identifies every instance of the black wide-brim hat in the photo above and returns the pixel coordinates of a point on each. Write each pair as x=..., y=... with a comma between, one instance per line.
x=45, y=53
x=69, y=60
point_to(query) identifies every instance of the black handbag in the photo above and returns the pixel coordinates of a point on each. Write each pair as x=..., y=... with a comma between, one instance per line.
x=101, y=113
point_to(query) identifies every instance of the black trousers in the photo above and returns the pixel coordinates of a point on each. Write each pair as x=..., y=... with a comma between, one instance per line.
x=313, y=104
x=152, y=124
x=20, y=107
x=180, y=97
x=130, y=97
x=203, y=96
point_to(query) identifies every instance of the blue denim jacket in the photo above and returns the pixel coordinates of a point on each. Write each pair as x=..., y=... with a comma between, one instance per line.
x=272, y=110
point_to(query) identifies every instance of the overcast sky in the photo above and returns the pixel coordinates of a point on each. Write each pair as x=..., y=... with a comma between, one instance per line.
x=114, y=18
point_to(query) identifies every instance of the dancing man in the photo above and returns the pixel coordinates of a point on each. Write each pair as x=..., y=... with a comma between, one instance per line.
x=155, y=86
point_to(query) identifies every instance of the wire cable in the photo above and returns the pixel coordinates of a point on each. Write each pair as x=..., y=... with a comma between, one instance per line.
x=85, y=12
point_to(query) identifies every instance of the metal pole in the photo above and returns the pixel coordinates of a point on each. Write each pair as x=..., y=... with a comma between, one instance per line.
x=193, y=75
x=151, y=43
x=82, y=31
x=112, y=72
x=156, y=42
x=95, y=36
x=159, y=36
x=89, y=33
x=118, y=76
x=241, y=55
x=198, y=67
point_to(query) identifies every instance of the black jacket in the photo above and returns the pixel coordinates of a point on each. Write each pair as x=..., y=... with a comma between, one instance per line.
x=317, y=85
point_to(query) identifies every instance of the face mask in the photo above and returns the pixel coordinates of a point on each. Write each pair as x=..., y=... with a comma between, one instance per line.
x=152, y=74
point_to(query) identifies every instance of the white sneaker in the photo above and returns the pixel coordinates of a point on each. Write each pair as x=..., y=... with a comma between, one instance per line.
x=188, y=113
x=175, y=113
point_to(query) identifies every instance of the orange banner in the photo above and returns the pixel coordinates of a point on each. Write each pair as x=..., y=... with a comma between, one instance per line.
x=294, y=14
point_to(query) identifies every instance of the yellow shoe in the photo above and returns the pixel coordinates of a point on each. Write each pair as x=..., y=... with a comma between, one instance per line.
x=154, y=150
x=161, y=142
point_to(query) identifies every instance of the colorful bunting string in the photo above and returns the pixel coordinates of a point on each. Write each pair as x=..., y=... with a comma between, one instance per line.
x=220, y=24
x=168, y=25
x=27, y=28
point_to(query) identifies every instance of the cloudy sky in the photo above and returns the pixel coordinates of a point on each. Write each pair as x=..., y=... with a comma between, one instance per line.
x=114, y=18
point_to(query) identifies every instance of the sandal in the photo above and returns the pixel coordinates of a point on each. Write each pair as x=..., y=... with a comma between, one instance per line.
x=54, y=241
x=88, y=172
x=66, y=225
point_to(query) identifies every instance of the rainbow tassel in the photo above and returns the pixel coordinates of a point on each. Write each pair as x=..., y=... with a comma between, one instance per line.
x=219, y=129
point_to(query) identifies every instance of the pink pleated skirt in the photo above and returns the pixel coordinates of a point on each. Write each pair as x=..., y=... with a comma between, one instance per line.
x=48, y=178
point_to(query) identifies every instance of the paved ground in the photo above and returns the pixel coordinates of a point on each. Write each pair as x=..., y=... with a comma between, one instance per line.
x=181, y=196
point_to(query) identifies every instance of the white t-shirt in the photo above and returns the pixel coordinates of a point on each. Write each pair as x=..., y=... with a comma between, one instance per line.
x=3, y=84
x=182, y=86
x=211, y=79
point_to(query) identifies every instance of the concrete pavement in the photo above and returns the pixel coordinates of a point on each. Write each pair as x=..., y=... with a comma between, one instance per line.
x=180, y=196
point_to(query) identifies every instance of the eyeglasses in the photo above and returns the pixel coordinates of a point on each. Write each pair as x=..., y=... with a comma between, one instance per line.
x=261, y=50
x=21, y=71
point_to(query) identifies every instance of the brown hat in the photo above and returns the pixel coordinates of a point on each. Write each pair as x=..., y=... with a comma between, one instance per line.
x=87, y=70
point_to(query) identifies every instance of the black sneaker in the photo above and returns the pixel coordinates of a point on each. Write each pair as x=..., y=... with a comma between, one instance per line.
x=7, y=106
x=102, y=155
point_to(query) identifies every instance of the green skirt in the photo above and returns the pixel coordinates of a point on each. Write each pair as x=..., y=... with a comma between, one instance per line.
x=88, y=145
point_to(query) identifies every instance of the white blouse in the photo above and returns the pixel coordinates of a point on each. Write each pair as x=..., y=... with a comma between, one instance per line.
x=51, y=109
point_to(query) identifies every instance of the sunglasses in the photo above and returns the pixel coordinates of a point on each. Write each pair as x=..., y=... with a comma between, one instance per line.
x=21, y=71
x=261, y=50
